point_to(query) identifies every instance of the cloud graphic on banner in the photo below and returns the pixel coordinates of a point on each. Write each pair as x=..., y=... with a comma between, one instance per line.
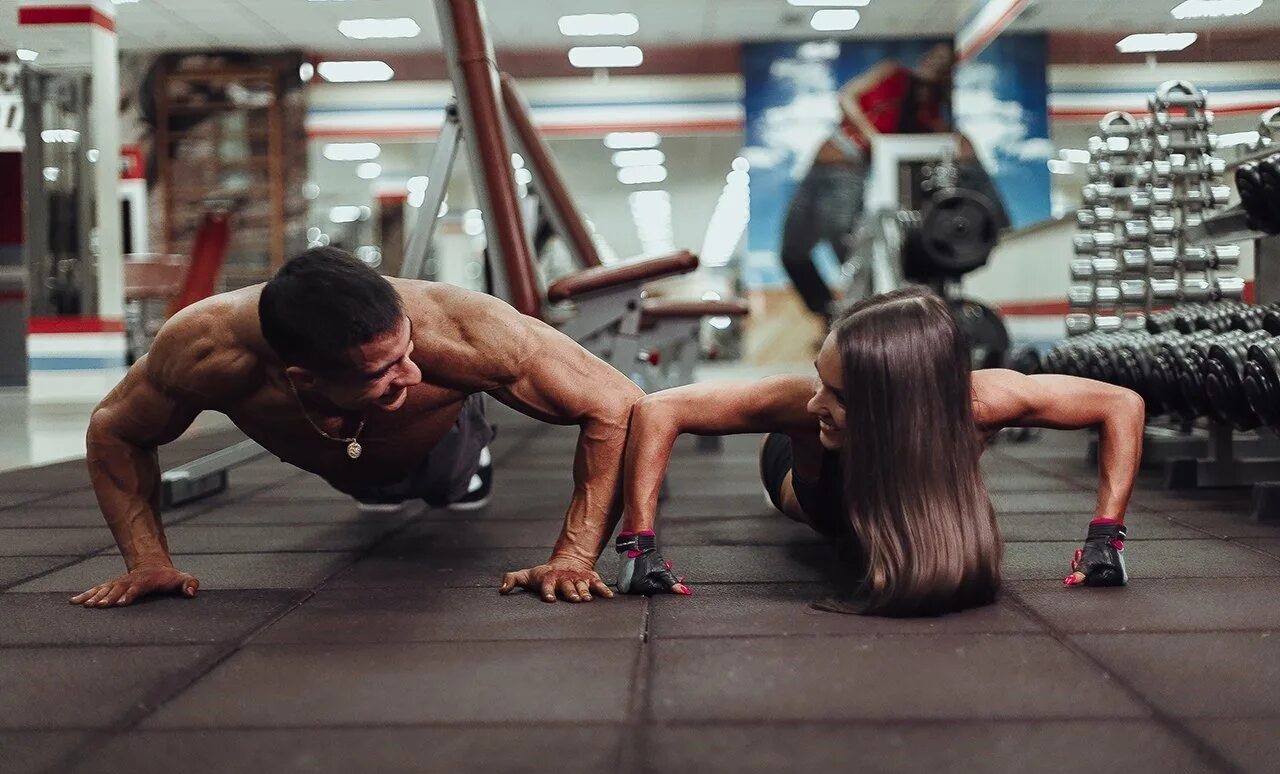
x=796, y=129
x=997, y=128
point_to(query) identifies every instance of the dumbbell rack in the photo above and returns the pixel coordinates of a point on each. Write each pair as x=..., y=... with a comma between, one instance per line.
x=1150, y=180
x=1116, y=297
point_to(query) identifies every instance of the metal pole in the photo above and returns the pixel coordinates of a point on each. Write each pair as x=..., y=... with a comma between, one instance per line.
x=471, y=68
x=424, y=228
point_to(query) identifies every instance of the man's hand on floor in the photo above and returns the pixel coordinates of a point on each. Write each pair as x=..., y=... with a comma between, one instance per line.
x=138, y=583
x=574, y=579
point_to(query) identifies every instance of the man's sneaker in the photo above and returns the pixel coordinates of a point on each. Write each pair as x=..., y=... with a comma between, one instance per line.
x=380, y=507
x=481, y=487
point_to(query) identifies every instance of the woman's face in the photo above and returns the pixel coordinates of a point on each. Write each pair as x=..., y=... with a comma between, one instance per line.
x=828, y=401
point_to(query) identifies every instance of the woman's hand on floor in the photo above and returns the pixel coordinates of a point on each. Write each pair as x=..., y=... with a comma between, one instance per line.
x=643, y=570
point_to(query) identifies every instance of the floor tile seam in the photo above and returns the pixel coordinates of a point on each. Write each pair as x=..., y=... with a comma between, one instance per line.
x=1171, y=723
x=272, y=644
x=74, y=560
x=170, y=689
x=630, y=758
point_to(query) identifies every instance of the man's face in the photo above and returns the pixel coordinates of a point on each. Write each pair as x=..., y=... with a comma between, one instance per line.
x=382, y=374
x=935, y=64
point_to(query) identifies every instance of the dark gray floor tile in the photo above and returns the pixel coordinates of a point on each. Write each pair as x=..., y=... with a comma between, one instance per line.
x=976, y=676
x=12, y=499
x=1269, y=546
x=992, y=747
x=758, y=564
x=1150, y=604
x=400, y=684
x=212, y=616
x=1022, y=527
x=1204, y=675
x=1227, y=524
x=444, y=535
x=15, y=569
x=765, y=609
x=53, y=541
x=748, y=504
x=214, y=571
x=30, y=516
x=483, y=750
x=1144, y=559
x=531, y=504
x=432, y=614
x=307, y=489
x=199, y=538
x=1253, y=745
x=1014, y=482
x=32, y=752
x=716, y=486
x=1210, y=499
x=775, y=529
x=316, y=512
x=464, y=567
x=57, y=688
x=1078, y=502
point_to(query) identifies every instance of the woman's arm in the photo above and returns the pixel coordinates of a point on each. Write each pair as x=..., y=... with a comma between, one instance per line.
x=1005, y=398
x=776, y=403
x=1010, y=399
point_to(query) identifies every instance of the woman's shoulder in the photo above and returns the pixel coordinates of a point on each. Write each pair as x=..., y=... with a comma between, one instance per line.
x=997, y=396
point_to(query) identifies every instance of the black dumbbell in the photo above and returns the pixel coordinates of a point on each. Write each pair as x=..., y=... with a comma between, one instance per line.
x=1191, y=371
x=1223, y=376
x=1027, y=361
x=1165, y=373
x=1262, y=381
x=1135, y=364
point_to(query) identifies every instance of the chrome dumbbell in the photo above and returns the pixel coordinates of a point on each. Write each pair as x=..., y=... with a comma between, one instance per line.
x=1163, y=225
x=1093, y=241
x=1137, y=230
x=1194, y=120
x=1089, y=296
x=1176, y=93
x=1096, y=193
x=1140, y=201
x=1134, y=259
x=1079, y=324
x=1133, y=291
x=1197, y=289
x=1162, y=196
x=1163, y=259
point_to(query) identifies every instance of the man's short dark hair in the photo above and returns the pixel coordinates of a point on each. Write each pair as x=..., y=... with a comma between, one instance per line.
x=321, y=304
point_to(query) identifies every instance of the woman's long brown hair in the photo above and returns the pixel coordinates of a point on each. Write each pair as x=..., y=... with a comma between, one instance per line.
x=913, y=485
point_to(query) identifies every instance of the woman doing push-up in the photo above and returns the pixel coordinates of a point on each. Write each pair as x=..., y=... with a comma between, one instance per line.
x=880, y=454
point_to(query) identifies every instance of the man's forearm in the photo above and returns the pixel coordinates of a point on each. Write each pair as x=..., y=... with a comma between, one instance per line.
x=597, y=501
x=126, y=480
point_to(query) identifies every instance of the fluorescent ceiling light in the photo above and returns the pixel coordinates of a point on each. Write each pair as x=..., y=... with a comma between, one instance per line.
x=27, y=55
x=1146, y=42
x=618, y=140
x=369, y=170
x=363, y=29
x=418, y=183
x=352, y=151
x=1209, y=9
x=355, y=72
x=651, y=157
x=831, y=19
x=60, y=136
x=740, y=164
x=641, y=175
x=345, y=214
x=605, y=56
x=830, y=3
x=124, y=2
x=524, y=176
x=587, y=24
x=1074, y=155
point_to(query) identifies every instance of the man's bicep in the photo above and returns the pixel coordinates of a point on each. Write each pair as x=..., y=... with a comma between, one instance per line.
x=142, y=412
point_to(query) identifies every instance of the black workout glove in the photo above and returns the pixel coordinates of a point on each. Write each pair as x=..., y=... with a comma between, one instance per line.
x=1100, y=562
x=643, y=570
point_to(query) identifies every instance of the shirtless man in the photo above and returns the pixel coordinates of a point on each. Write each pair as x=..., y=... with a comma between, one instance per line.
x=374, y=384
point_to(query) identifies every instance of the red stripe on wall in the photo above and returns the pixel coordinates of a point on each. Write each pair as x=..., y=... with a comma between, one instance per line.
x=74, y=324
x=66, y=14
x=12, y=295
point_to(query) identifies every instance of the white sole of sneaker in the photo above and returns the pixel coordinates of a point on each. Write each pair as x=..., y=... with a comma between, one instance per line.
x=471, y=506
x=380, y=507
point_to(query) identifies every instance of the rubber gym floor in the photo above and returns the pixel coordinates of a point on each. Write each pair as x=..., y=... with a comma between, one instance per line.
x=324, y=640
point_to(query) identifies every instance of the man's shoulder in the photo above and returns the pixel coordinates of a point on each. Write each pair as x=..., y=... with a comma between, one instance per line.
x=460, y=329
x=202, y=350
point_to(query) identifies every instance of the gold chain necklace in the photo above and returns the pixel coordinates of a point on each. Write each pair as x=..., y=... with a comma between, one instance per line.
x=354, y=449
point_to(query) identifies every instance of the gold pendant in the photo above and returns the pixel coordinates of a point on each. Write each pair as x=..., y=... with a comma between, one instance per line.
x=354, y=450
